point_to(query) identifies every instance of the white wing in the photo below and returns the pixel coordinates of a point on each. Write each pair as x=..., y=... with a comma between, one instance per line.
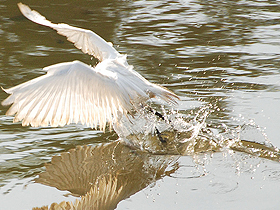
x=85, y=40
x=75, y=92
x=69, y=92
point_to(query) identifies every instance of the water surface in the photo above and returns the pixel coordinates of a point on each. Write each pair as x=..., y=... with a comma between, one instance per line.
x=219, y=55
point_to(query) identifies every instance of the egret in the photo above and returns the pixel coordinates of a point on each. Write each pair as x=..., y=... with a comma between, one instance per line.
x=73, y=92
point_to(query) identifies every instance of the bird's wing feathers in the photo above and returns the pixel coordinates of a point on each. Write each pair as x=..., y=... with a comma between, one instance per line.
x=70, y=92
x=75, y=92
x=85, y=40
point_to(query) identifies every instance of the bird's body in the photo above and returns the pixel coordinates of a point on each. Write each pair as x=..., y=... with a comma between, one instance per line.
x=76, y=92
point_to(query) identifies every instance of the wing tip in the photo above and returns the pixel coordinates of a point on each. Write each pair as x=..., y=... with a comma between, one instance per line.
x=24, y=9
x=33, y=15
x=6, y=101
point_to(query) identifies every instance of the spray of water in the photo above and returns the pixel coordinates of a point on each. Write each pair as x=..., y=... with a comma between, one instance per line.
x=190, y=134
x=171, y=134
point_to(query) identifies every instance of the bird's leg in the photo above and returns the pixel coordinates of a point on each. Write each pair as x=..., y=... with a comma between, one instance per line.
x=163, y=140
x=156, y=113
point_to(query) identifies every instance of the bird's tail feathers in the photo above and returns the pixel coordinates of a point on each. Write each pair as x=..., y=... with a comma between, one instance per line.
x=164, y=94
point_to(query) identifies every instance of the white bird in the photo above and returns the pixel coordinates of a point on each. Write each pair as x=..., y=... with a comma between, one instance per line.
x=76, y=92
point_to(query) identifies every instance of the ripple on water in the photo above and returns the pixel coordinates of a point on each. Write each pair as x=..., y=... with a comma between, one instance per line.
x=220, y=55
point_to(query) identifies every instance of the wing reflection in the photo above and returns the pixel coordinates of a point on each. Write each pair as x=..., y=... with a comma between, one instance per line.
x=104, y=175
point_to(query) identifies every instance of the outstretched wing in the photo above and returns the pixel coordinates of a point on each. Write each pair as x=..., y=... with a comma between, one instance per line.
x=85, y=40
x=75, y=92
x=69, y=92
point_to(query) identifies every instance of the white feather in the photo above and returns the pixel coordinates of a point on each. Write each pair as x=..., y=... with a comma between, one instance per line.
x=85, y=40
x=76, y=92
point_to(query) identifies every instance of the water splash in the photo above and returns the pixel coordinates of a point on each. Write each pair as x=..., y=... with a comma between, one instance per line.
x=167, y=134
x=189, y=134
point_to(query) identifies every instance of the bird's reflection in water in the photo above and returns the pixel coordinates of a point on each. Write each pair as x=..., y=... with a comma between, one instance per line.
x=104, y=175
